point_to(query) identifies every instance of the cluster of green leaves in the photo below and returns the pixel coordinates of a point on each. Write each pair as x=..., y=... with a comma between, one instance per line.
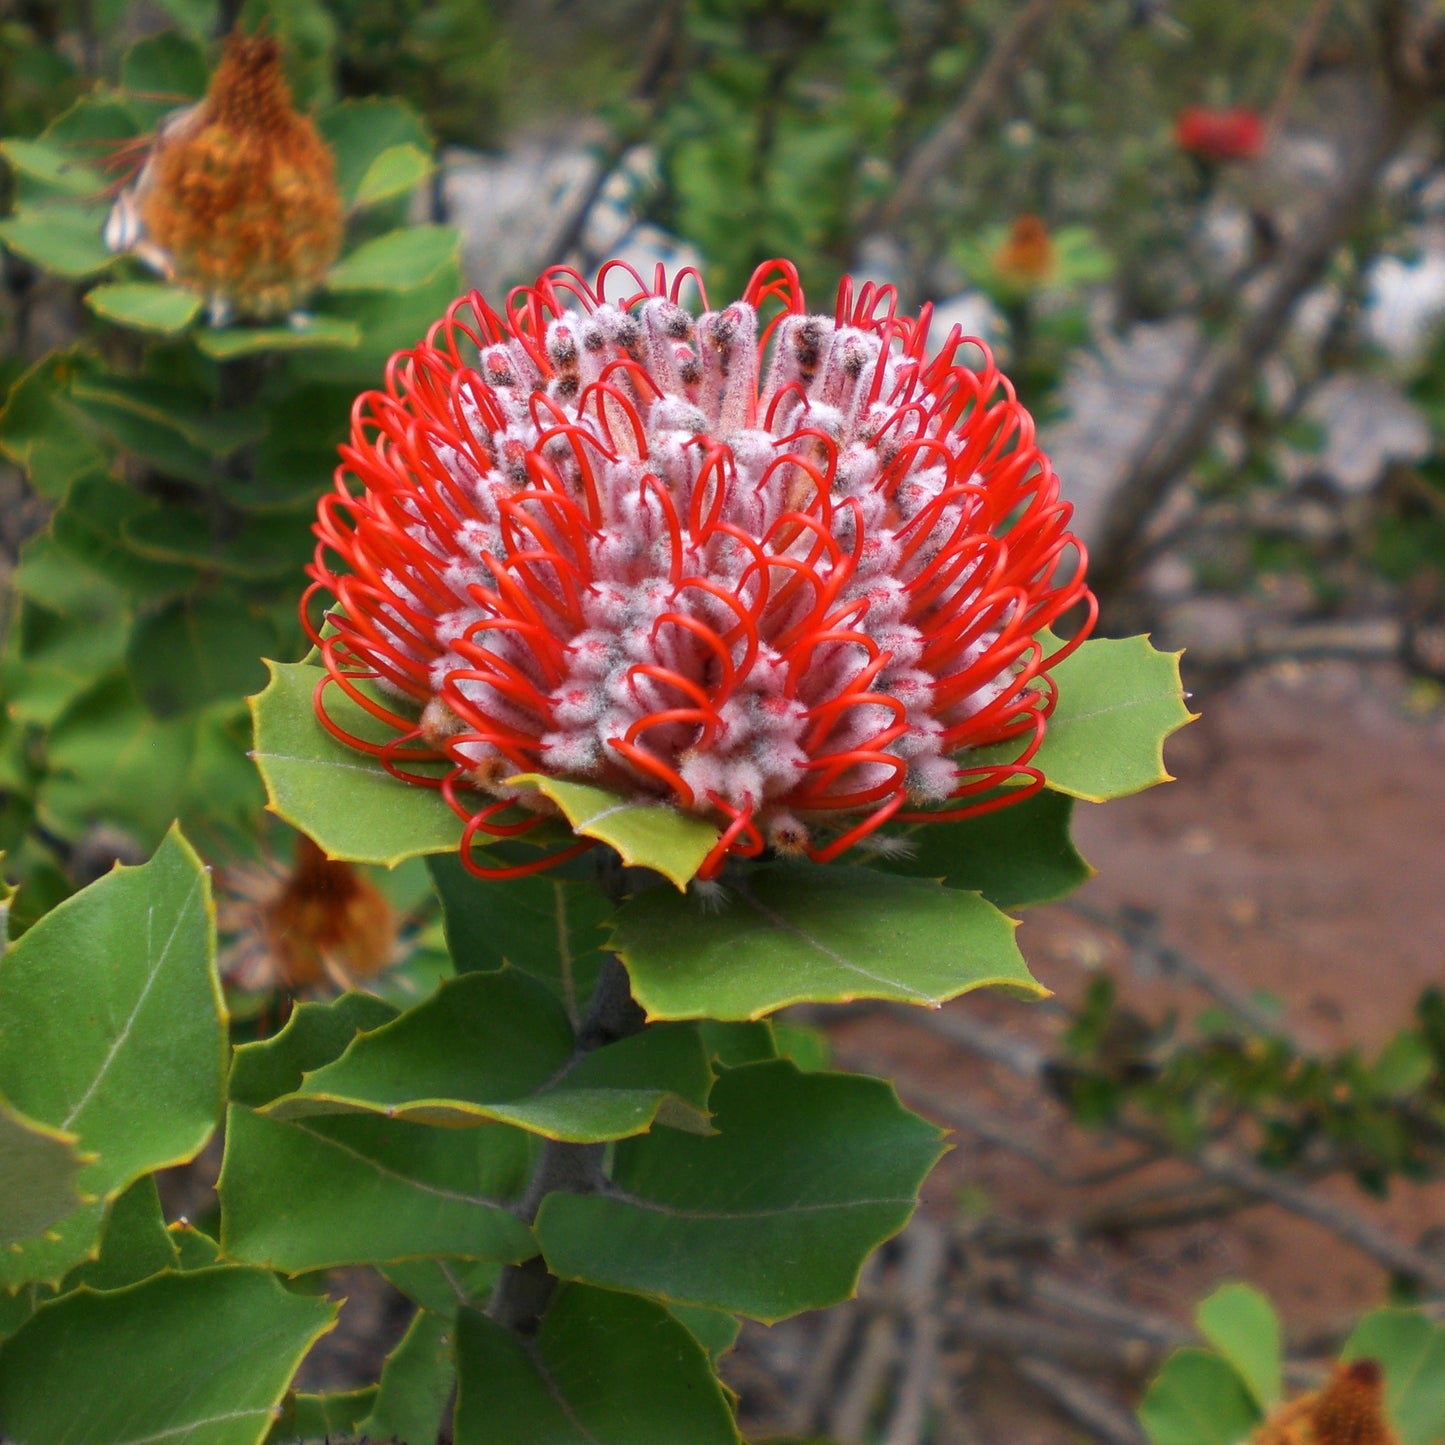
x=1219, y=1396
x=183, y=461
x=1377, y=1117
x=764, y=146
x=740, y=1178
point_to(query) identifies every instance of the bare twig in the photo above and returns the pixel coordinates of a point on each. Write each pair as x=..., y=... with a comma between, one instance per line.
x=934, y=153
x=648, y=90
x=1139, y=931
x=1081, y=1403
x=1209, y=388
x=1307, y=38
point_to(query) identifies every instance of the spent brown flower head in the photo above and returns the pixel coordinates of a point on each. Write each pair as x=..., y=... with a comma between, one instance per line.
x=237, y=198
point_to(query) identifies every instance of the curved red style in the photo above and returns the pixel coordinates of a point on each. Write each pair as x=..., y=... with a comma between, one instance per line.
x=782, y=570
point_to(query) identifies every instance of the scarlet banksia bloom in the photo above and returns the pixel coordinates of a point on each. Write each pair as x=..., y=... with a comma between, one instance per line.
x=1218, y=134
x=779, y=569
x=237, y=198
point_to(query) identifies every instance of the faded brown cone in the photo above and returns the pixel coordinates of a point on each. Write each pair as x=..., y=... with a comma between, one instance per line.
x=238, y=197
x=1350, y=1410
x=316, y=926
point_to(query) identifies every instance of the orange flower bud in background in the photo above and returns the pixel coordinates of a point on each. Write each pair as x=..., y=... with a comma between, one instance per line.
x=237, y=198
x=1028, y=253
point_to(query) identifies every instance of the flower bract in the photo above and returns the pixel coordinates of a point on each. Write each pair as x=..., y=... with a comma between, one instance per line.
x=780, y=569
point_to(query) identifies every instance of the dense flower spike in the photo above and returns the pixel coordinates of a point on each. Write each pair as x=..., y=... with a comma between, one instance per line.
x=779, y=569
x=237, y=198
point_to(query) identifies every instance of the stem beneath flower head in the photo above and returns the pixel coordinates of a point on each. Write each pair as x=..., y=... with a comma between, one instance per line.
x=523, y=1290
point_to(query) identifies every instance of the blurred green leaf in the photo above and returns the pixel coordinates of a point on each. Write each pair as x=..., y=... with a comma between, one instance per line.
x=111, y=757
x=317, y=333
x=397, y=261
x=107, y=1366
x=396, y=171
x=695, y=1221
x=1198, y=1399
x=165, y=69
x=360, y=132
x=145, y=306
x=1239, y=1321
x=310, y=1194
x=1411, y=1350
x=793, y=933
x=52, y=659
x=341, y=797
x=38, y=428
x=56, y=167
x=60, y=237
x=198, y=650
x=606, y=1369
x=258, y=549
x=89, y=527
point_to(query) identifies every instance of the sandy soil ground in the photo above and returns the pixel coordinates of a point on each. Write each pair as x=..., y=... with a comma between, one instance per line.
x=1299, y=852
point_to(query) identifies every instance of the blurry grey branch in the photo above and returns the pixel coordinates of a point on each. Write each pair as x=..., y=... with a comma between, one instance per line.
x=932, y=156
x=1304, y=48
x=1209, y=389
x=648, y=92
x=1246, y=1181
x=1077, y=1399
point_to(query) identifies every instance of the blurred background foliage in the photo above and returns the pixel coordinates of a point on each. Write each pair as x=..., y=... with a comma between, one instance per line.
x=1227, y=328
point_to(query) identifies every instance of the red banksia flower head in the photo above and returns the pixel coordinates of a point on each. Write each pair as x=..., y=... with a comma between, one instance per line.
x=778, y=569
x=1216, y=134
x=237, y=198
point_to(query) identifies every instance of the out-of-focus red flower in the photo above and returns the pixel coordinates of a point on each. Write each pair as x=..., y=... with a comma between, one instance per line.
x=1216, y=134
x=782, y=570
x=237, y=198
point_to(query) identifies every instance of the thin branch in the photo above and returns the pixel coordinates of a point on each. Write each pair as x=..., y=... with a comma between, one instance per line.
x=1208, y=389
x=648, y=90
x=933, y=155
x=1305, y=42
x=1081, y=1403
